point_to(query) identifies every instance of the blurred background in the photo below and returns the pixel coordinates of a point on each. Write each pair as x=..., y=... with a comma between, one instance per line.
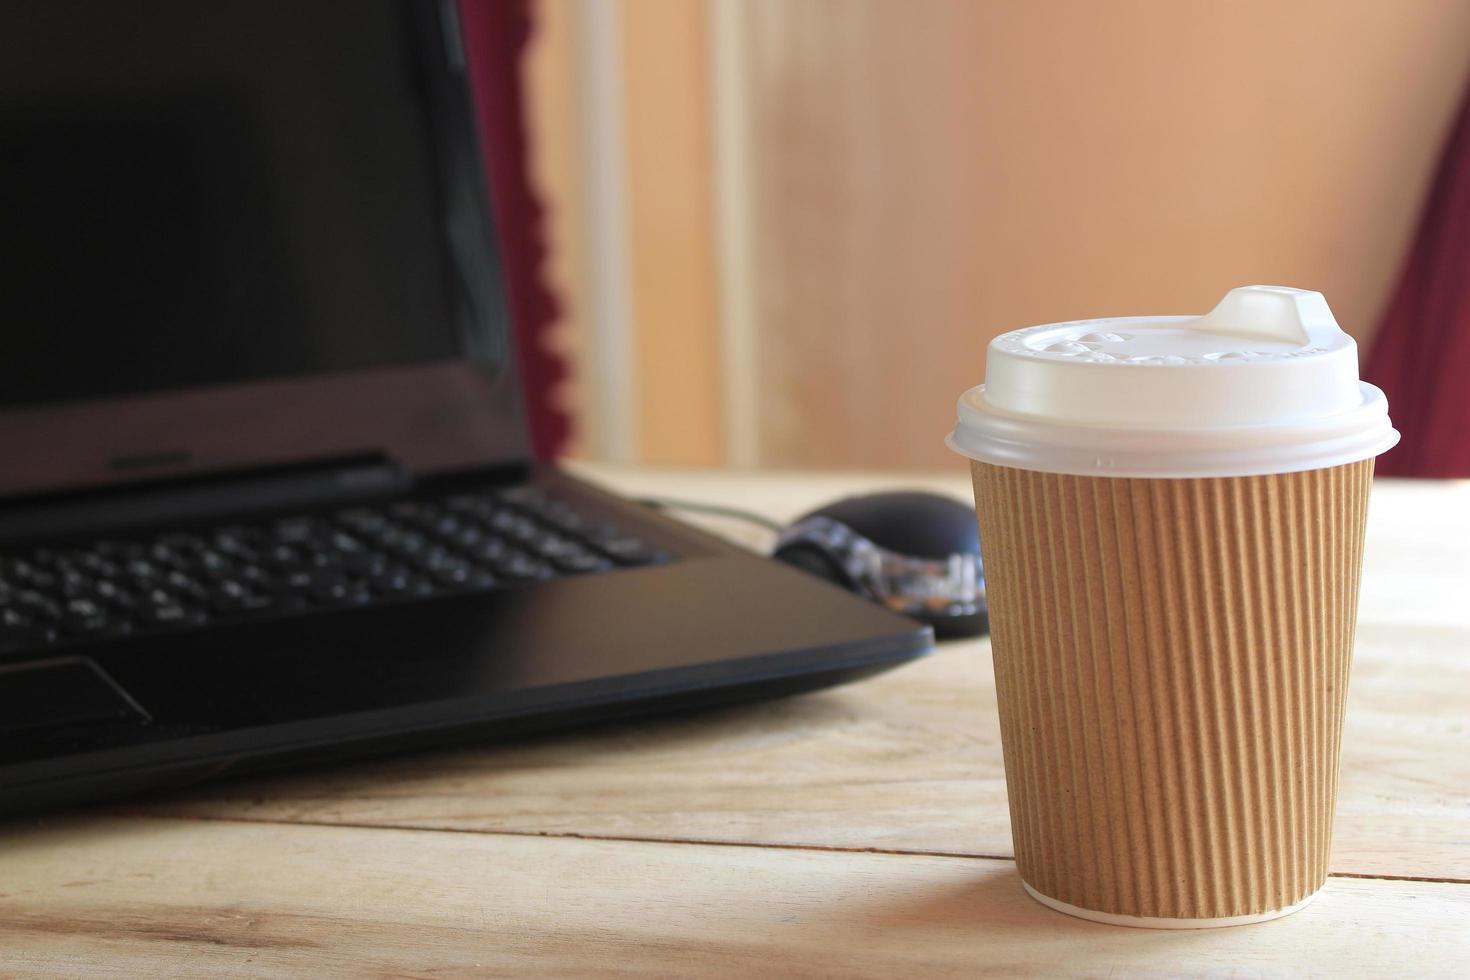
x=780, y=233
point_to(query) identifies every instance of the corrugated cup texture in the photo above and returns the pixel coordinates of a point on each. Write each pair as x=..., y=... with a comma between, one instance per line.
x=1171, y=663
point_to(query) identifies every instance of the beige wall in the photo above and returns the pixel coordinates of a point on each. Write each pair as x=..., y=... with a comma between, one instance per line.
x=671, y=218
x=897, y=182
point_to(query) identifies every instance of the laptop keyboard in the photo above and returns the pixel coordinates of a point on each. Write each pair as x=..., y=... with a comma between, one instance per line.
x=360, y=556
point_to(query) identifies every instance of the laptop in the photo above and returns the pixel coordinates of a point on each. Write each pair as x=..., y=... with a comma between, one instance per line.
x=266, y=496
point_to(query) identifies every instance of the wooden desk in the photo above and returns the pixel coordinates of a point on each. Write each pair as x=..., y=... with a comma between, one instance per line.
x=861, y=830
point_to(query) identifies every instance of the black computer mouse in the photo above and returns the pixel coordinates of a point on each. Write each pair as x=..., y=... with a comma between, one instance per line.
x=917, y=553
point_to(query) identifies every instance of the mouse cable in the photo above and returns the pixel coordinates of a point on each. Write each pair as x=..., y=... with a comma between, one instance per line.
x=714, y=510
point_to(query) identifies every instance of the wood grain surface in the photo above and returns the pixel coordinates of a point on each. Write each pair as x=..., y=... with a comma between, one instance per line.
x=877, y=811
x=145, y=897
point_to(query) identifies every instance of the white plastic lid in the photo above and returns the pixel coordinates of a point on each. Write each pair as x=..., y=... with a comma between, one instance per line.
x=1267, y=382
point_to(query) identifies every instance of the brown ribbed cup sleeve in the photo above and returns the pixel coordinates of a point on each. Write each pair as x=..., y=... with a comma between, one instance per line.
x=1171, y=663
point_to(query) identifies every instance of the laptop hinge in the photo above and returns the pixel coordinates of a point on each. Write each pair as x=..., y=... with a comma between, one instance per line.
x=202, y=499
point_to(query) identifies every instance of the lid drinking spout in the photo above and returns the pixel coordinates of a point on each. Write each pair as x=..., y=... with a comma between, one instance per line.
x=1270, y=312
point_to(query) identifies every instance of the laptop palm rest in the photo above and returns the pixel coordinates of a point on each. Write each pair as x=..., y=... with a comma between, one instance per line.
x=62, y=692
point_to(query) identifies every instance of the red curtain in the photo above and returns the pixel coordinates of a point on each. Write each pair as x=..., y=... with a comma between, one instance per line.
x=1421, y=358
x=495, y=37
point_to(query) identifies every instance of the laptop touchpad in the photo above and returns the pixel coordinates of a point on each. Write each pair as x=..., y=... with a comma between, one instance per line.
x=61, y=692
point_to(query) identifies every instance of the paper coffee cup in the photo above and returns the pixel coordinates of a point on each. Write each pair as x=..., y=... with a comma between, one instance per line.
x=1171, y=518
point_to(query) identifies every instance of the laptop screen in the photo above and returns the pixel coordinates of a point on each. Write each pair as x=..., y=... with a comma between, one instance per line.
x=199, y=193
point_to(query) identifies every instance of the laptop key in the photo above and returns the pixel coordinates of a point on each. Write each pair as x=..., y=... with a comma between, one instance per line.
x=283, y=555
x=451, y=576
x=553, y=546
x=113, y=595
x=39, y=578
x=185, y=584
x=566, y=520
x=392, y=582
x=406, y=543
x=211, y=564
x=254, y=604
x=98, y=565
x=466, y=537
x=582, y=563
x=72, y=584
x=481, y=580
x=631, y=551
x=522, y=568
x=230, y=596
x=434, y=558
x=295, y=530
x=344, y=543
x=35, y=605
x=325, y=559
x=236, y=540
x=18, y=632
x=84, y=617
x=510, y=522
x=15, y=569
x=256, y=575
x=168, y=556
x=491, y=550
x=367, y=564
x=331, y=591
x=171, y=614
x=399, y=582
